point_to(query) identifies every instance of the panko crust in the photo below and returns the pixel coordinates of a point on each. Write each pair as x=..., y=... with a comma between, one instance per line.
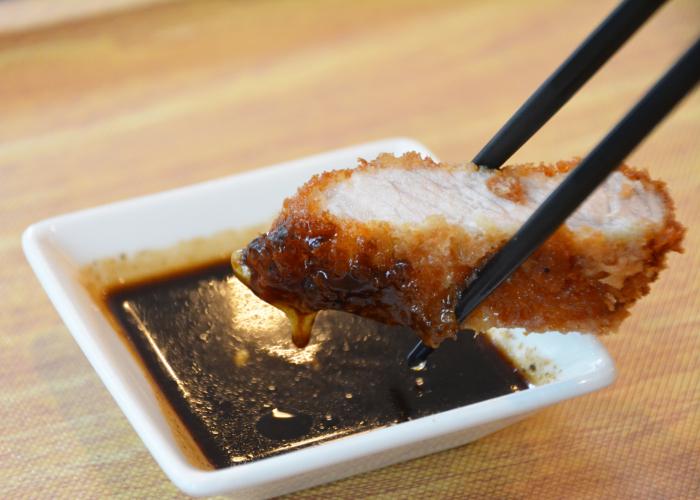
x=311, y=260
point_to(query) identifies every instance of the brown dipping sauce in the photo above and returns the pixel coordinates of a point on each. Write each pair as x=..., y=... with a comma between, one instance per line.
x=225, y=363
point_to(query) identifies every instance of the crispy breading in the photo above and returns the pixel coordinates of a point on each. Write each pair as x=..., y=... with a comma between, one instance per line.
x=397, y=238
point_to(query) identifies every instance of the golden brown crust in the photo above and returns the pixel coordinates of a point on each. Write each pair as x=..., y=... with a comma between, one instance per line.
x=506, y=186
x=311, y=260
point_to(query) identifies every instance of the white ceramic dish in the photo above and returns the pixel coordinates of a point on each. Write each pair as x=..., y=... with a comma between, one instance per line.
x=58, y=247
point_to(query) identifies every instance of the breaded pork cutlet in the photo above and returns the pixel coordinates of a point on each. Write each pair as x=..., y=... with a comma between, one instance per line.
x=395, y=239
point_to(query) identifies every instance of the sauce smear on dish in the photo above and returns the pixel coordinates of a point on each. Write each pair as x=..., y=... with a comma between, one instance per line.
x=224, y=361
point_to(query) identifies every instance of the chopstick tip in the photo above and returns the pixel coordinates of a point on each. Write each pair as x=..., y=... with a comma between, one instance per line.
x=418, y=357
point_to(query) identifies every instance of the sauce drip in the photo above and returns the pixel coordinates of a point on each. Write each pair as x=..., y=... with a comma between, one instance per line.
x=300, y=323
x=224, y=362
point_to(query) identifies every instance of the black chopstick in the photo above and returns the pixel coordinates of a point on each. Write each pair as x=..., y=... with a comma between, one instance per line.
x=580, y=183
x=566, y=80
x=585, y=178
x=588, y=57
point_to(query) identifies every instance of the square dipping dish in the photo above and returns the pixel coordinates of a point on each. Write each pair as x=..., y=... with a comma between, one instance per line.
x=236, y=408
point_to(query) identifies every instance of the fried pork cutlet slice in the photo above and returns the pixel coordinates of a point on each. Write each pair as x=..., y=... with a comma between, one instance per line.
x=396, y=239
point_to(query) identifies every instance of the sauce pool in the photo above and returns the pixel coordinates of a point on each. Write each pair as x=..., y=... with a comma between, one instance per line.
x=225, y=363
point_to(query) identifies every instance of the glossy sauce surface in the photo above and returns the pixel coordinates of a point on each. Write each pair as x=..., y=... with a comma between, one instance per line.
x=225, y=363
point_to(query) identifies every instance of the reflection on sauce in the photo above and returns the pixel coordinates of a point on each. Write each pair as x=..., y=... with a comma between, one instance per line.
x=224, y=362
x=280, y=425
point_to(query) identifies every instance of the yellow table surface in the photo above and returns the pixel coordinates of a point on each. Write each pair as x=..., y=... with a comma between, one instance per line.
x=102, y=109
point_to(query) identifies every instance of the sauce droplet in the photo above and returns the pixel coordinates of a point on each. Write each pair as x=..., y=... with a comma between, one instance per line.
x=241, y=357
x=301, y=326
x=301, y=323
